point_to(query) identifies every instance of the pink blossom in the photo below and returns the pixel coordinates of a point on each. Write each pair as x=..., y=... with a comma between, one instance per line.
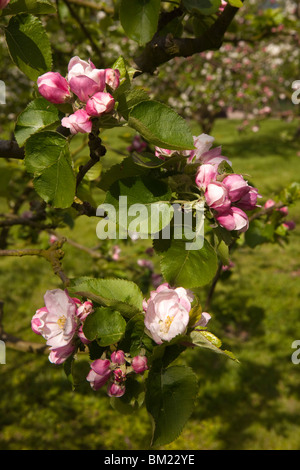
x=112, y=78
x=60, y=321
x=284, y=210
x=248, y=202
x=167, y=312
x=118, y=357
x=59, y=355
x=163, y=153
x=206, y=173
x=84, y=79
x=119, y=375
x=115, y=390
x=3, y=3
x=38, y=320
x=203, y=143
x=116, y=252
x=100, y=103
x=233, y=219
x=53, y=87
x=237, y=187
x=84, y=309
x=269, y=203
x=205, y=317
x=139, y=364
x=78, y=122
x=99, y=374
x=216, y=196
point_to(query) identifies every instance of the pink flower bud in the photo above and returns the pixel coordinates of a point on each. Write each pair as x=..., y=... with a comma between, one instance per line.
x=139, y=364
x=284, y=210
x=118, y=357
x=269, y=203
x=112, y=78
x=289, y=225
x=84, y=79
x=248, y=202
x=59, y=355
x=38, y=320
x=237, y=186
x=53, y=87
x=206, y=174
x=99, y=374
x=233, y=219
x=205, y=317
x=78, y=122
x=3, y=3
x=100, y=103
x=82, y=336
x=84, y=310
x=216, y=196
x=115, y=390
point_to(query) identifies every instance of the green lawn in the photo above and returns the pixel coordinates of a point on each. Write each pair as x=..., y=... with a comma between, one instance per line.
x=256, y=312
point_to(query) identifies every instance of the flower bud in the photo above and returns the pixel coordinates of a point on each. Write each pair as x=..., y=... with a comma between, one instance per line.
x=237, y=187
x=115, y=390
x=112, y=78
x=205, y=175
x=53, y=87
x=100, y=103
x=118, y=357
x=139, y=364
x=84, y=79
x=78, y=122
x=233, y=219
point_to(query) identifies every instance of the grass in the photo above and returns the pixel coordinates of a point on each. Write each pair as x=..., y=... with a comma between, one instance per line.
x=251, y=405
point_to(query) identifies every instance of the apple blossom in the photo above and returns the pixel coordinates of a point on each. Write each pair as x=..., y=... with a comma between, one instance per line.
x=204, y=319
x=236, y=185
x=115, y=390
x=99, y=374
x=216, y=196
x=205, y=174
x=59, y=355
x=84, y=79
x=78, y=122
x=233, y=219
x=112, y=78
x=99, y=103
x=167, y=312
x=139, y=364
x=59, y=323
x=118, y=357
x=53, y=87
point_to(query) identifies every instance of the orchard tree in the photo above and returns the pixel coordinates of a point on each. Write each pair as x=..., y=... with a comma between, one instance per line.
x=172, y=187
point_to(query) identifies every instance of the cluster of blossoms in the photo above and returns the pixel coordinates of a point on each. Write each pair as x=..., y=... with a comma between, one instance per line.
x=60, y=323
x=114, y=371
x=167, y=313
x=86, y=87
x=228, y=196
x=270, y=204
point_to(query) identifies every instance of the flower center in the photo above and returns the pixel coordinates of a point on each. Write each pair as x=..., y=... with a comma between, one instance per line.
x=61, y=322
x=165, y=325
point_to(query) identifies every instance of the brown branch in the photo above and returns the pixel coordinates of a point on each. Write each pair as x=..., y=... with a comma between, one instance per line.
x=53, y=255
x=161, y=49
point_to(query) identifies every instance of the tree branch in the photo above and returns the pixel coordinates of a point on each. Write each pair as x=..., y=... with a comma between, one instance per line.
x=161, y=49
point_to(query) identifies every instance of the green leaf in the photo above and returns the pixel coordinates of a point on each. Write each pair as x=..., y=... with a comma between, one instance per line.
x=125, y=296
x=205, y=339
x=35, y=7
x=139, y=18
x=135, y=338
x=47, y=157
x=161, y=126
x=189, y=268
x=106, y=325
x=150, y=197
x=39, y=115
x=235, y=3
x=125, y=169
x=204, y=7
x=170, y=396
x=129, y=99
x=29, y=45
